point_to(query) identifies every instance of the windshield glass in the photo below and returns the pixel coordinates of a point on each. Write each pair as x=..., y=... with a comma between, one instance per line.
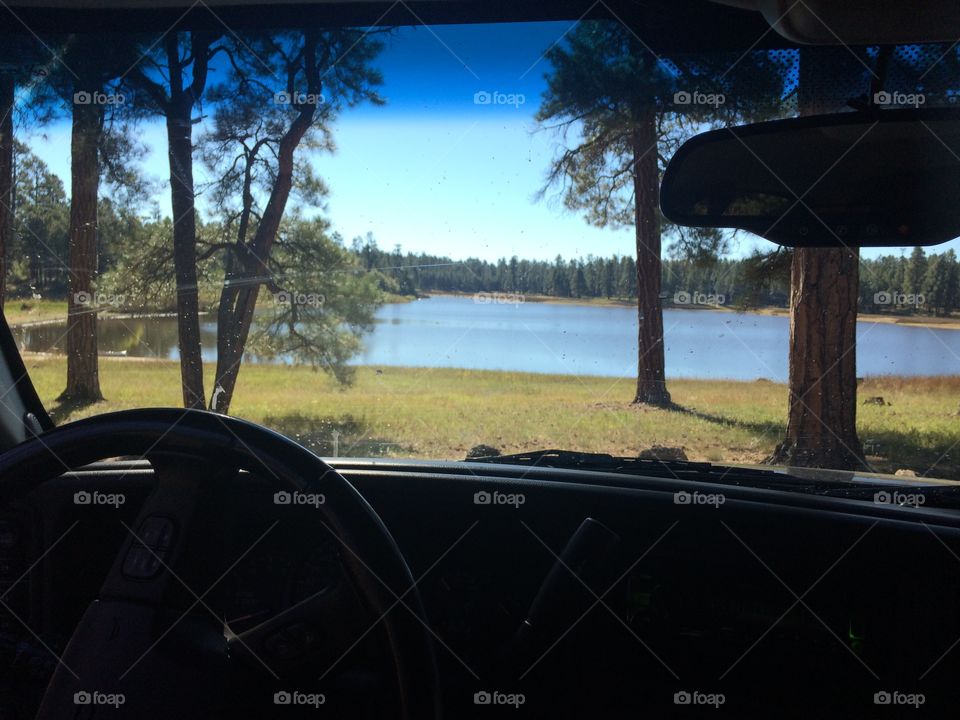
x=442, y=241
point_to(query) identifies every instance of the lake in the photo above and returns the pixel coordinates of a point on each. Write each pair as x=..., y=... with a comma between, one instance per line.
x=568, y=339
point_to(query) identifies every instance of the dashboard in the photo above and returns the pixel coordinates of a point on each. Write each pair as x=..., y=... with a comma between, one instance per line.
x=751, y=600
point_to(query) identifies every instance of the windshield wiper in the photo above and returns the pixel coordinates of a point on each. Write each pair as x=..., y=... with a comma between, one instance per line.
x=669, y=469
x=676, y=469
x=908, y=495
x=779, y=479
x=571, y=460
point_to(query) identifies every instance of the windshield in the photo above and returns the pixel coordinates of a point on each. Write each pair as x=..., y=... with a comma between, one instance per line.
x=445, y=241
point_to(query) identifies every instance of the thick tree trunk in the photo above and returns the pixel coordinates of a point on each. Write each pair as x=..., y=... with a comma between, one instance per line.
x=822, y=414
x=824, y=284
x=180, y=145
x=83, y=379
x=6, y=177
x=651, y=379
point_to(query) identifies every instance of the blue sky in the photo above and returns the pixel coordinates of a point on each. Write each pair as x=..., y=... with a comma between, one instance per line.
x=433, y=171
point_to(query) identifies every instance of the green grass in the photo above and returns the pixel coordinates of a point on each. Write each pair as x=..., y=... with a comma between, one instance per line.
x=18, y=312
x=25, y=311
x=442, y=413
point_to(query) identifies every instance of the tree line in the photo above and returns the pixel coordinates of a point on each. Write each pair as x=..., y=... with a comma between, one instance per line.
x=916, y=284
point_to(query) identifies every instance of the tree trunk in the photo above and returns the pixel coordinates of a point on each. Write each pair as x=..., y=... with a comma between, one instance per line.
x=179, y=116
x=233, y=329
x=824, y=284
x=177, y=108
x=651, y=379
x=180, y=145
x=238, y=299
x=822, y=414
x=83, y=380
x=6, y=177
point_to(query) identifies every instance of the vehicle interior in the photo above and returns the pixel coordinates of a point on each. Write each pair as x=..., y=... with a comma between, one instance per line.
x=195, y=560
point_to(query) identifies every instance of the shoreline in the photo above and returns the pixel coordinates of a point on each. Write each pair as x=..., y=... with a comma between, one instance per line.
x=106, y=316
x=935, y=323
x=865, y=379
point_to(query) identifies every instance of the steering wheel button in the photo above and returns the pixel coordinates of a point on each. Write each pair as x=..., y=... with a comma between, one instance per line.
x=156, y=532
x=140, y=563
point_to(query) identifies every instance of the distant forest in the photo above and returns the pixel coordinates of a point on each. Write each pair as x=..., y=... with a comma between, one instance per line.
x=918, y=283
x=134, y=251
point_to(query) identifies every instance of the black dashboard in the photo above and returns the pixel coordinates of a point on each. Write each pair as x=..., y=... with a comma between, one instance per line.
x=790, y=603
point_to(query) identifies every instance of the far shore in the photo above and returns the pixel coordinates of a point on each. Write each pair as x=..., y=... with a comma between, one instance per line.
x=112, y=316
x=940, y=323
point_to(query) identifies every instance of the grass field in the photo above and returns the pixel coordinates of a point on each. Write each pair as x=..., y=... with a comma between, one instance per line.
x=441, y=413
x=18, y=312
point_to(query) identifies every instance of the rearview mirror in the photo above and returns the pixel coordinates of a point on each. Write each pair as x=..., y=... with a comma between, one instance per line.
x=883, y=178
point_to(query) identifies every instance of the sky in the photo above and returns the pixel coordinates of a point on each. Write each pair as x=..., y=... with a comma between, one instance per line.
x=435, y=171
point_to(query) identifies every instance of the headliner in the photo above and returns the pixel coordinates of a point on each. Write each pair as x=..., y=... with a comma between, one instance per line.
x=665, y=25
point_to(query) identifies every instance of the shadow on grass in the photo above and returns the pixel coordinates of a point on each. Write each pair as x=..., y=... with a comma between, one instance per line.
x=772, y=429
x=61, y=410
x=328, y=436
x=932, y=454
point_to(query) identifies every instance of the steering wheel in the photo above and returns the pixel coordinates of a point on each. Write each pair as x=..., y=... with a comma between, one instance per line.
x=149, y=646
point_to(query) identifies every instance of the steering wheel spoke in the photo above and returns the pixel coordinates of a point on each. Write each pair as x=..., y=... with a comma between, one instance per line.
x=149, y=567
x=318, y=632
x=140, y=668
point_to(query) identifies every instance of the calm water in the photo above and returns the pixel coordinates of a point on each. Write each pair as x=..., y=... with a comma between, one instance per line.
x=567, y=339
